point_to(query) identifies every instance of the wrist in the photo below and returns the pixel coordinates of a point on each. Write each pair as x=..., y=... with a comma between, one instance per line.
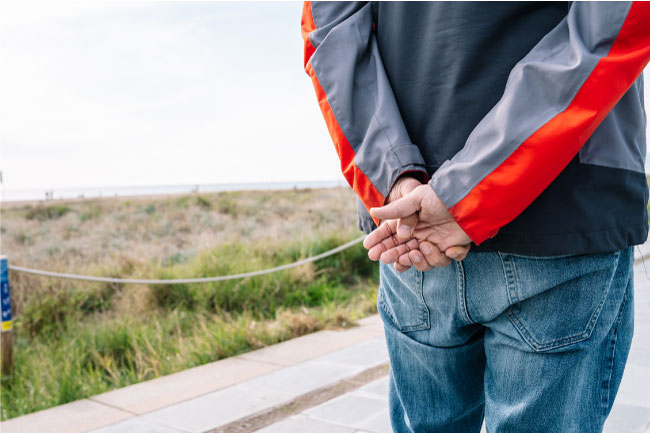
x=404, y=184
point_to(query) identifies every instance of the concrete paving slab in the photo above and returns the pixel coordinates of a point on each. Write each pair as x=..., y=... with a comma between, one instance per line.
x=367, y=354
x=378, y=423
x=224, y=406
x=349, y=409
x=164, y=391
x=641, y=339
x=301, y=378
x=378, y=388
x=635, y=389
x=627, y=419
x=76, y=417
x=303, y=424
x=313, y=345
x=642, y=316
x=136, y=424
x=639, y=356
x=372, y=321
x=641, y=286
x=215, y=409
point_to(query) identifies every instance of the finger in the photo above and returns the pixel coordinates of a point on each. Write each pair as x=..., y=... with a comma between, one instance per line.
x=385, y=230
x=385, y=245
x=405, y=260
x=392, y=254
x=418, y=261
x=458, y=252
x=405, y=226
x=432, y=255
x=405, y=206
x=401, y=268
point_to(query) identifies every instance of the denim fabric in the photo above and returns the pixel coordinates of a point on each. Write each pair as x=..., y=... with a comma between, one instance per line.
x=534, y=344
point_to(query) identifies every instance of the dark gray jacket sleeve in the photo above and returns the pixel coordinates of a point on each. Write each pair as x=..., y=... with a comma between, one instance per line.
x=356, y=98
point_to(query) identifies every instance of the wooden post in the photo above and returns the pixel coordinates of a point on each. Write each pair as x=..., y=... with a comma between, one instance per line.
x=6, y=334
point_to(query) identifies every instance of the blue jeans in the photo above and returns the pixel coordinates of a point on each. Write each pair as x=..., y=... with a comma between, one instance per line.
x=533, y=344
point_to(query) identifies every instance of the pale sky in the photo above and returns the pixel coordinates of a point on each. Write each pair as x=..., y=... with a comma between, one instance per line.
x=157, y=93
x=117, y=94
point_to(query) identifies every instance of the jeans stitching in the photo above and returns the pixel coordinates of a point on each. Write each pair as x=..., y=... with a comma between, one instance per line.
x=462, y=292
x=424, y=309
x=507, y=273
x=523, y=256
x=614, y=340
x=382, y=303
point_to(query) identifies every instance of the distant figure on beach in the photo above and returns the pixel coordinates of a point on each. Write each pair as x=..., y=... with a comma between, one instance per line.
x=497, y=151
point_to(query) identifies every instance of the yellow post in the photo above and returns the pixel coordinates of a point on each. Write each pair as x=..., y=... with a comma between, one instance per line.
x=6, y=334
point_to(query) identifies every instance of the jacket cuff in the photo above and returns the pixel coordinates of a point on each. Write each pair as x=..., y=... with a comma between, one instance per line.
x=409, y=162
x=467, y=221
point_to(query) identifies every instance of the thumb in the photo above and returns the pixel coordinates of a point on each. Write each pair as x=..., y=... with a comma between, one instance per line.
x=402, y=208
x=405, y=226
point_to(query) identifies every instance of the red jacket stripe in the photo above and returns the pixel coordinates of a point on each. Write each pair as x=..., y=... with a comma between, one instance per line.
x=307, y=26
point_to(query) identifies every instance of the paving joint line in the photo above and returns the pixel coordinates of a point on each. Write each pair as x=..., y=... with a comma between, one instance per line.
x=112, y=406
x=303, y=402
x=643, y=256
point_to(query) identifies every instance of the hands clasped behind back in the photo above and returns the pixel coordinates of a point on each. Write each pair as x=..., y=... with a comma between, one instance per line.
x=416, y=229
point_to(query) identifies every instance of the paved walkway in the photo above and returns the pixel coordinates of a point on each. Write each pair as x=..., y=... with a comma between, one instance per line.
x=329, y=382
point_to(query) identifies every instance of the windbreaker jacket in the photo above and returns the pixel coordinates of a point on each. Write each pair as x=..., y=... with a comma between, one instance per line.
x=527, y=119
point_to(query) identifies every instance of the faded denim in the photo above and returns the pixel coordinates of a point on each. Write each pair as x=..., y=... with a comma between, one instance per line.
x=534, y=344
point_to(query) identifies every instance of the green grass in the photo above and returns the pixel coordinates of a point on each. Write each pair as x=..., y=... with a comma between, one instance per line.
x=72, y=343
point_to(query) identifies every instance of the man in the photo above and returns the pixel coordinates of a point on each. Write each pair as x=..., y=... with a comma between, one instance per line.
x=517, y=129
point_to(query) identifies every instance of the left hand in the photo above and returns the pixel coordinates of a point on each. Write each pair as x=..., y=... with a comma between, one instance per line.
x=434, y=230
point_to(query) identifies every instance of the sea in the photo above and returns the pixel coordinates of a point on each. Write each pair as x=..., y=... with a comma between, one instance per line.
x=122, y=191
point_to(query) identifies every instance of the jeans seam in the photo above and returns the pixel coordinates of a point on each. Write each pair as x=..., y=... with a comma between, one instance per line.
x=424, y=311
x=529, y=257
x=510, y=280
x=614, y=340
x=462, y=292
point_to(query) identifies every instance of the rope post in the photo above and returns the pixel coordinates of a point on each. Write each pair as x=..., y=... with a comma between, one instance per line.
x=6, y=334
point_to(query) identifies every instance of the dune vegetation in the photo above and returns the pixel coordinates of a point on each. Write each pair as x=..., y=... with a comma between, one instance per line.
x=76, y=339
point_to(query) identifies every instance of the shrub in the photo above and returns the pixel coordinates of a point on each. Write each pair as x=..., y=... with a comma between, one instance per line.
x=203, y=202
x=228, y=206
x=44, y=213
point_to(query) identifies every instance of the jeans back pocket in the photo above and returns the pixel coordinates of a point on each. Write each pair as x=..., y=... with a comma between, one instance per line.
x=401, y=298
x=556, y=302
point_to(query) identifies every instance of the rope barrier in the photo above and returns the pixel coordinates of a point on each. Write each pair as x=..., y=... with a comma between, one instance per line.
x=188, y=280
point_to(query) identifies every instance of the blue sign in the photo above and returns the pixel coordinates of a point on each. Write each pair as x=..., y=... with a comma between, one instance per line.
x=5, y=298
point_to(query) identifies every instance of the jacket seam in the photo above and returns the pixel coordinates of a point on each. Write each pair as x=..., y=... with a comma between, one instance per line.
x=574, y=232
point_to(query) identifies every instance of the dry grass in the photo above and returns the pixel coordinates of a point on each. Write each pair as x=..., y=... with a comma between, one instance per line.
x=127, y=236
